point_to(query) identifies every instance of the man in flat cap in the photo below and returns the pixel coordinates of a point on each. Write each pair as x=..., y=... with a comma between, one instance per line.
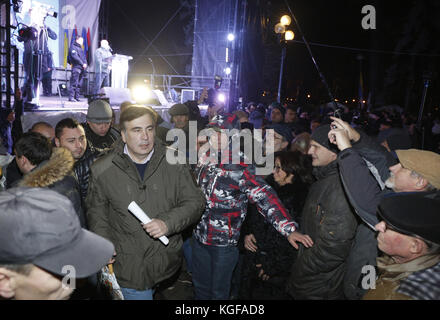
x=99, y=132
x=180, y=118
x=361, y=160
x=408, y=234
x=318, y=272
x=41, y=241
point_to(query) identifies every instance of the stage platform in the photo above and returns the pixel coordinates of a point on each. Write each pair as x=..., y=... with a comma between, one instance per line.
x=54, y=109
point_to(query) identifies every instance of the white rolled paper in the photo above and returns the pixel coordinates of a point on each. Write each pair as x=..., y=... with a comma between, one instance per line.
x=142, y=216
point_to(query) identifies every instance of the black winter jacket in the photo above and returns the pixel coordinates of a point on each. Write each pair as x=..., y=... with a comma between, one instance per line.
x=275, y=253
x=328, y=219
x=77, y=57
x=99, y=142
x=82, y=169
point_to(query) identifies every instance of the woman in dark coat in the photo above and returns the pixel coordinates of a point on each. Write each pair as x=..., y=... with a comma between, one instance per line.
x=267, y=256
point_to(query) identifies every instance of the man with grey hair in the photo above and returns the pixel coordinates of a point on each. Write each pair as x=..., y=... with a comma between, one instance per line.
x=137, y=170
x=408, y=235
x=41, y=241
x=369, y=173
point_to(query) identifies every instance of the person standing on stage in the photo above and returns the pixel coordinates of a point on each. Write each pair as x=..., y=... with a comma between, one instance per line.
x=37, y=60
x=47, y=69
x=102, y=66
x=77, y=58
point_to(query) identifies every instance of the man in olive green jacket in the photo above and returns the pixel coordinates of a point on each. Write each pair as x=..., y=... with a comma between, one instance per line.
x=137, y=170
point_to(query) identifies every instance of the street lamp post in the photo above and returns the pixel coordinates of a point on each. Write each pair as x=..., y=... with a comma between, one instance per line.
x=283, y=57
x=285, y=35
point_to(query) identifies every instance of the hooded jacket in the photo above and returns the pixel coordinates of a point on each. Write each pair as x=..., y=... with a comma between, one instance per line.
x=167, y=192
x=228, y=188
x=56, y=174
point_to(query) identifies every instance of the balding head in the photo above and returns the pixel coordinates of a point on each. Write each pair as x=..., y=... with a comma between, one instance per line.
x=104, y=44
x=45, y=129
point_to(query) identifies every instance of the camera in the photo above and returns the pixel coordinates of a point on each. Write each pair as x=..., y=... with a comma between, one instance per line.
x=27, y=33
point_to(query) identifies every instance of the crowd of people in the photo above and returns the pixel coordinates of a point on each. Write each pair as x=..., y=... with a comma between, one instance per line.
x=348, y=211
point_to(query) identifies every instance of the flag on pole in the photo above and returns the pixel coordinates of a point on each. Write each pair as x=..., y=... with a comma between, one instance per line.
x=89, y=44
x=74, y=35
x=85, y=45
x=66, y=48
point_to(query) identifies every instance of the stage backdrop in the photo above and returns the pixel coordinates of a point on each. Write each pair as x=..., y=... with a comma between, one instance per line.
x=78, y=17
x=74, y=16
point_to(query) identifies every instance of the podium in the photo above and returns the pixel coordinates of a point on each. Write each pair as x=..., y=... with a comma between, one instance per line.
x=120, y=71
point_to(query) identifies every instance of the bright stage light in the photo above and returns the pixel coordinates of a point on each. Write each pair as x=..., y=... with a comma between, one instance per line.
x=141, y=93
x=221, y=97
x=285, y=20
x=228, y=71
x=231, y=37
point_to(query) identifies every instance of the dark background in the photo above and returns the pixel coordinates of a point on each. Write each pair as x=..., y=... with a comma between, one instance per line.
x=402, y=26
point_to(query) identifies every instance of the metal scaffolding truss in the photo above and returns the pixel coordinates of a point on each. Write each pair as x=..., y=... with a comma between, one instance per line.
x=8, y=55
x=213, y=53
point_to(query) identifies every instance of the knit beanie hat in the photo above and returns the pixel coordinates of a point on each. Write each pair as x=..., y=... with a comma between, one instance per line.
x=320, y=135
x=99, y=112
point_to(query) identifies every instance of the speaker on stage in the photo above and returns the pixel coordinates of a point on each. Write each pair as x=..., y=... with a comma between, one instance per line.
x=116, y=96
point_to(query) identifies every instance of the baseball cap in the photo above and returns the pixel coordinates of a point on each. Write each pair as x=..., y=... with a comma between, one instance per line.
x=40, y=226
x=99, y=111
x=283, y=130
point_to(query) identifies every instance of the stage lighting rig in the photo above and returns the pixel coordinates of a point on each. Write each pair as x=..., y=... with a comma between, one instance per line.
x=218, y=82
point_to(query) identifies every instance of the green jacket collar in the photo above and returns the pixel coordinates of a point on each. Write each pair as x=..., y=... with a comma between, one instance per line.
x=124, y=162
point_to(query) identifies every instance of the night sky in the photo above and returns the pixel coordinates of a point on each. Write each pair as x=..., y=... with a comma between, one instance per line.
x=133, y=23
